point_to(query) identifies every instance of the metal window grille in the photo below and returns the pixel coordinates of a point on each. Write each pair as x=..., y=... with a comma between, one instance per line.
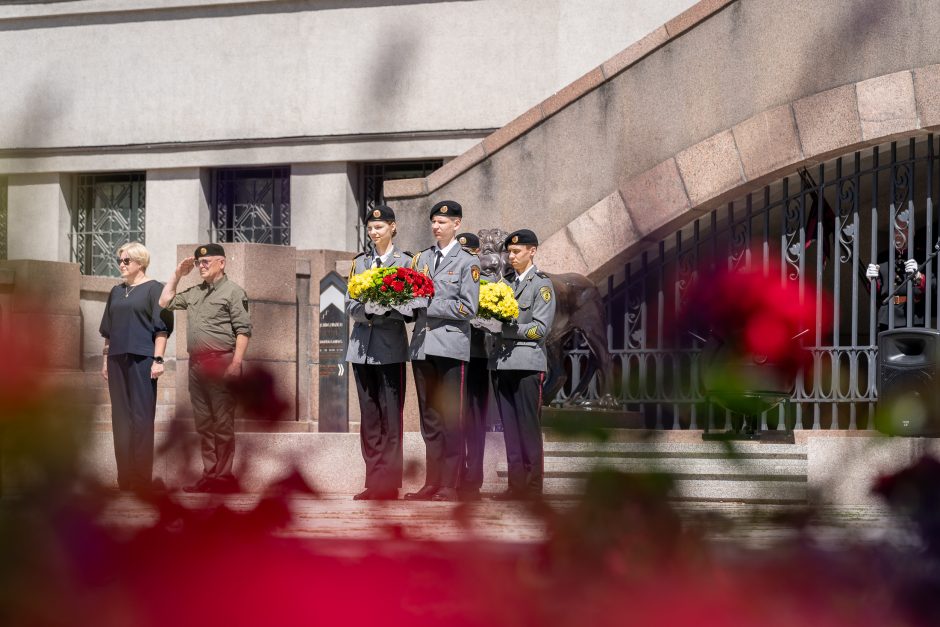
x=374, y=176
x=109, y=211
x=822, y=225
x=3, y=219
x=251, y=205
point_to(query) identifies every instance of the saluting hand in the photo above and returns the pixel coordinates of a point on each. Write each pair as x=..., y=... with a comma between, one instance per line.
x=186, y=266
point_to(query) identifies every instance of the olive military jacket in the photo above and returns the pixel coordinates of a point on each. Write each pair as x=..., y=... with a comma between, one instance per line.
x=376, y=339
x=521, y=345
x=443, y=329
x=215, y=314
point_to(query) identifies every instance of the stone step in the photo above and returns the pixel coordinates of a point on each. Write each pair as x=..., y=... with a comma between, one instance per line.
x=703, y=490
x=666, y=448
x=679, y=466
x=102, y=413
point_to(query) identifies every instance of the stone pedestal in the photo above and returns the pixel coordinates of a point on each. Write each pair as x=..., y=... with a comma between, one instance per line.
x=45, y=294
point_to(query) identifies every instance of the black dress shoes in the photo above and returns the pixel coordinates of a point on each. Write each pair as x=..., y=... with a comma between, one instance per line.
x=445, y=494
x=424, y=494
x=370, y=494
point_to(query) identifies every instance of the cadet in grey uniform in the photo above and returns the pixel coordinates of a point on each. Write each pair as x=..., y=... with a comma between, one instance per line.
x=378, y=350
x=478, y=394
x=440, y=350
x=217, y=330
x=519, y=360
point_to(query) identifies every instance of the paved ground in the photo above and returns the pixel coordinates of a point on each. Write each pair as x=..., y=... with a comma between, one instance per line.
x=339, y=517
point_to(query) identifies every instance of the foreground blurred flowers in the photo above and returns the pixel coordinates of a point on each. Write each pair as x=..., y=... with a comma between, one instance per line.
x=753, y=326
x=622, y=555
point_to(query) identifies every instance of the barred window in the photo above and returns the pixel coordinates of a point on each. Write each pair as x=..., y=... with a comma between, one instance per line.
x=109, y=211
x=251, y=205
x=374, y=176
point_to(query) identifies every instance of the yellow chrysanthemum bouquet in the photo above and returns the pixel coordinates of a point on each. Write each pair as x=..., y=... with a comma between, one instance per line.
x=497, y=302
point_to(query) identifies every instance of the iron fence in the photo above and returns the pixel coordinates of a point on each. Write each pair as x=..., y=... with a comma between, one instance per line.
x=818, y=229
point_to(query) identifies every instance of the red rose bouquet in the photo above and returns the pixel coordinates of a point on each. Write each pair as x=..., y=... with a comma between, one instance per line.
x=390, y=287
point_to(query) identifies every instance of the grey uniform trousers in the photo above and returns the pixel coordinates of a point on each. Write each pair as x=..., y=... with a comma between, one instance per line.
x=519, y=398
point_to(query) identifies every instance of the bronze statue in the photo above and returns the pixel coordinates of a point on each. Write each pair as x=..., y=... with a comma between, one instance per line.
x=579, y=309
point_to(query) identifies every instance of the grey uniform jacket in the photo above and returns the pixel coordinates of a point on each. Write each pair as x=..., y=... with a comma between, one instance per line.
x=376, y=339
x=443, y=329
x=521, y=346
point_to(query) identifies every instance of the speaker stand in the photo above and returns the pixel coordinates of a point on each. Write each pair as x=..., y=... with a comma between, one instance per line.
x=748, y=430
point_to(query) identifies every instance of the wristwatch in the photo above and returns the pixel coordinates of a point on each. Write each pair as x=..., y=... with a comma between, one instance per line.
x=158, y=360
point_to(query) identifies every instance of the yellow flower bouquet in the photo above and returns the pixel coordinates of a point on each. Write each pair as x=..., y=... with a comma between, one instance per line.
x=497, y=302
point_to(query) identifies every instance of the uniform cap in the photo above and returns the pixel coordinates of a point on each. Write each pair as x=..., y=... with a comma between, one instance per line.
x=468, y=240
x=380, y=213
x=447, y=208
x=209, y=250
x=522, y=236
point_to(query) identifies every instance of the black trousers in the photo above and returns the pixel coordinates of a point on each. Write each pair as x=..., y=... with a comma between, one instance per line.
x=474, y=424
x=381, y=391
x=441, y=383
x=519, y=398
x=133, y=406
x=213, y=414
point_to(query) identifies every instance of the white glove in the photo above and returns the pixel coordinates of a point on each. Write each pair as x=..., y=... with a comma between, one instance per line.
x=374, y=309
x=421, y=302
x=910, y=266
x=872, y=271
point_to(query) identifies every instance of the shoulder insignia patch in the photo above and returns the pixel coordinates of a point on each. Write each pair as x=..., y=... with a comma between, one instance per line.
x=546, y=293
x=475, y=273
x=245, y=303
x=533, y=334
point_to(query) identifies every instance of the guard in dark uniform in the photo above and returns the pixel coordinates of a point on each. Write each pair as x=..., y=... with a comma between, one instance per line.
x=900, y=303
x=519, y=360
x=378, y=350
x=440, y=350
x=478, y=394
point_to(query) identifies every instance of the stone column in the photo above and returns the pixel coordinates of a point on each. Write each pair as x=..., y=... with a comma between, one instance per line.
x=38, y=221
x=177, y=211
x=268, y=275
x=324, y=214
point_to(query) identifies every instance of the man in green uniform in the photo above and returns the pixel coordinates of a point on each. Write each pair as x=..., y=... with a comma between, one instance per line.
x=217, y=332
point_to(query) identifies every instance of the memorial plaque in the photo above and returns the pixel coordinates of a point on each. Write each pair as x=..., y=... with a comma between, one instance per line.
x=332, y=367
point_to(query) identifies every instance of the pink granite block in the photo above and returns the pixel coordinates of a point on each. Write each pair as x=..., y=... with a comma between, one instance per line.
x=45, y=286
x=697, y=13
x=572, y=92
x=655, y=197
x=559, y=253
x=273, y=331
x=927, y=94
x=405, y=188
x=768, y=141
x=886, y=105
x=454, y=168
x=710, y=167
x=603, y=231
x=514, y=129
x=828, y=121
x=635, y=52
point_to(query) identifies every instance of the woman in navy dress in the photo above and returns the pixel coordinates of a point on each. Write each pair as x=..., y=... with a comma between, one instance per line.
x=135, y=329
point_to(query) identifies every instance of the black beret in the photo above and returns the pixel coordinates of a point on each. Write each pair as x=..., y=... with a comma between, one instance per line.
x=522, y=236
x=468, y=240
x=447, y=208
x=209, y=250
x=381, y=213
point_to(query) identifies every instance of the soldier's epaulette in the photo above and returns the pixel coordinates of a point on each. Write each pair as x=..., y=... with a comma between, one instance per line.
x=359, y=255
x=542, y=275
x=409, y=253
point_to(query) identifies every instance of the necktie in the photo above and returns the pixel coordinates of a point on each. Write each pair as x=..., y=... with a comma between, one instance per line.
x=438, y=255
x=378, y=262
x=515, y=284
